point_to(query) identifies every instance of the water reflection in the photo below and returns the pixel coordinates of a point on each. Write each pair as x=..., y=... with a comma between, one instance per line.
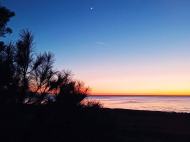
x=154, y=103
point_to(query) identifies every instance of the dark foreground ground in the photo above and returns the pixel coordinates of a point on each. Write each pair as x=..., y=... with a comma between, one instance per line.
x=150, y=126
x=52, y=124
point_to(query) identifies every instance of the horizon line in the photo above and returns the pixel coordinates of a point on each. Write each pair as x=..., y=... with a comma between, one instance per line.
x=138, y=95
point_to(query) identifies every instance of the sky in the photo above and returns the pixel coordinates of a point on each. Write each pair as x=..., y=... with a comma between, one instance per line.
x=117, y=47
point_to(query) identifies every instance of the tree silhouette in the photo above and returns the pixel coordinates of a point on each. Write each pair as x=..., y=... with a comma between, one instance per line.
x=41, y=76
x=23, y=60
x=27, y=77
x=6, y=52
x=5, y=16
x=7, y=72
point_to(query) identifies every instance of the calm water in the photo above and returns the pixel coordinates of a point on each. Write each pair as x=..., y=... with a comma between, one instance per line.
x=153, y=103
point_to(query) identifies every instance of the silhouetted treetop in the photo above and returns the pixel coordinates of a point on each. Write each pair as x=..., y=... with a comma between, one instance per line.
x=29, y=78
x=5, y=15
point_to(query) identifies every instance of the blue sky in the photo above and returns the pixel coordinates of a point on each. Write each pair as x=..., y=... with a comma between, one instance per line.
x=116, y=42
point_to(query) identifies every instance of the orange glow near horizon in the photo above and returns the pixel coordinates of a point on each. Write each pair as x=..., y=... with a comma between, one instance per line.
x=140, y=78
x=161, y=85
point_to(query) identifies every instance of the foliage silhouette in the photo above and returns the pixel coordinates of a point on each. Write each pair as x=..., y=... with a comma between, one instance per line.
x=29, y=78
x=24, y=60
x=5, y=16
x=70, y=92
x=6, y=52
x=91, y=104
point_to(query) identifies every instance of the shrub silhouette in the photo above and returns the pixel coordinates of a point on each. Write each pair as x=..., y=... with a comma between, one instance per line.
x=91, y=104
x=70, y=92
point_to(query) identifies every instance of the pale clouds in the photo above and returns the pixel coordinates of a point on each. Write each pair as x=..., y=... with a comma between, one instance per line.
x=101, y=43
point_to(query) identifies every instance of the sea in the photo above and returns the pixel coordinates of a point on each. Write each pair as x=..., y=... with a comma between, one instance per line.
x=179, y=104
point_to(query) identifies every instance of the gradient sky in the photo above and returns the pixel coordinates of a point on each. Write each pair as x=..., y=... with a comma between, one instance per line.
x=120, y=47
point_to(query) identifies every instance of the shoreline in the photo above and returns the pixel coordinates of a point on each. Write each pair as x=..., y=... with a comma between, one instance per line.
x=148, y=110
